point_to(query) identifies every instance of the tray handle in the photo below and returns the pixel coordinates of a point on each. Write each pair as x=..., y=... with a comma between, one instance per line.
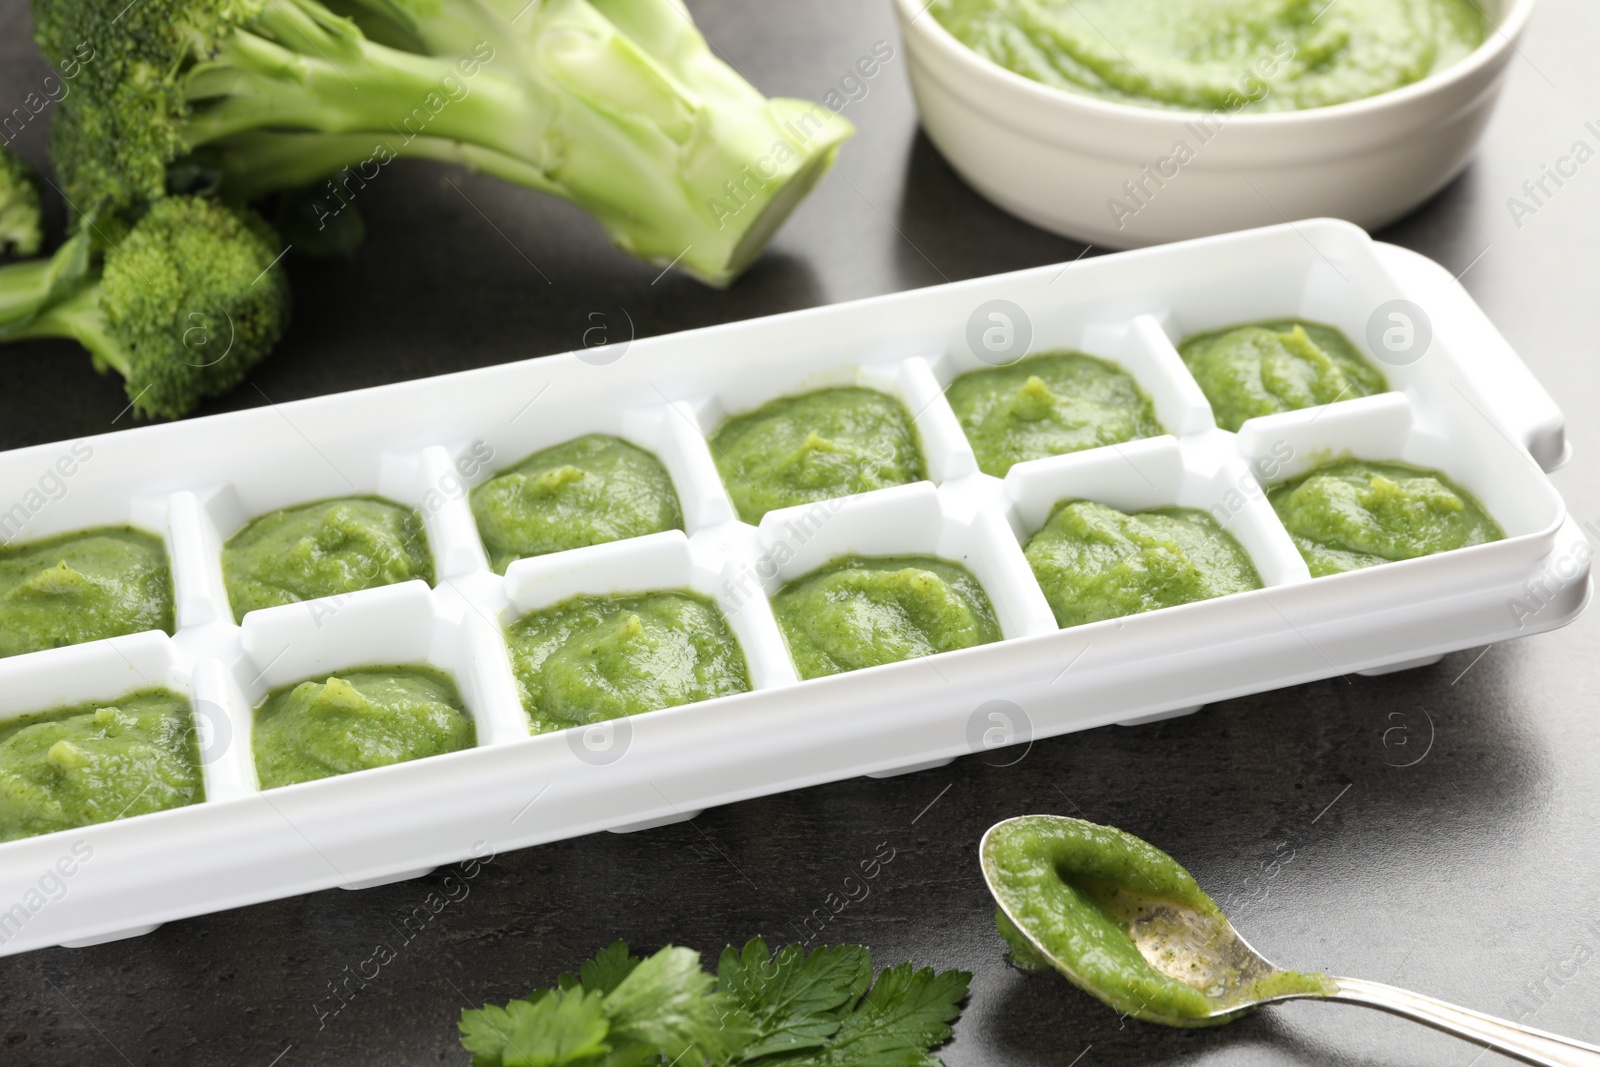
x=1502, y=388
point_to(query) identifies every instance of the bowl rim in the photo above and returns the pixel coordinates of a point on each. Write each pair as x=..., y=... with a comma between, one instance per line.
x=1503, y=36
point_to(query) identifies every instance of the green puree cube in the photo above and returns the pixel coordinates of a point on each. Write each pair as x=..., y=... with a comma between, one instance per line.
x=863, y=612
x=1352, y=514
x=326, y=548
x=1048, y=405
x=594, y=658
x=83, y=586
x=585, y=492
x=1271, y=367
x=355, y=720
x=96, y=762
x=816, y=446
x=1095, y=562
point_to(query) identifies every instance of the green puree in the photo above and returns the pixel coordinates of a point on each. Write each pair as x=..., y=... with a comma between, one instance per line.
x=1095, y=562
x=83, y=586
x=1232, y=55
x=594, y=658
x=1048, y=405
x=802, y=449
x=857, y=613
x=1353, y=514
x=1270, y=367
x=96, y=762
x=1077, y=888
x=355, y=720
x=585, y=492
x=323, y=549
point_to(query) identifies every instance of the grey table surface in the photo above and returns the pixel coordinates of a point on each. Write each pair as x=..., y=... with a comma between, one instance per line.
x=1469, y=874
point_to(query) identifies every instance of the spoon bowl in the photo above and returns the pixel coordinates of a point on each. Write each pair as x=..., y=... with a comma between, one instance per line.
x=1193, y=943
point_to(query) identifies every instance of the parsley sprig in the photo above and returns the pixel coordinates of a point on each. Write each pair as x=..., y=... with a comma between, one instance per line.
x=792, y=1009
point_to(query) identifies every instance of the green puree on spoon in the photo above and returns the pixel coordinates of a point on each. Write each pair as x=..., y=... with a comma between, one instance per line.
x=1126, y=923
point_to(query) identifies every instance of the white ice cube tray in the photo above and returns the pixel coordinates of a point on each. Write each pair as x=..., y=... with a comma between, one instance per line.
x=1468, y=408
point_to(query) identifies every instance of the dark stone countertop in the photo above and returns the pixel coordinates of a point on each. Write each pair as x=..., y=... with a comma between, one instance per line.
x=1469, y=875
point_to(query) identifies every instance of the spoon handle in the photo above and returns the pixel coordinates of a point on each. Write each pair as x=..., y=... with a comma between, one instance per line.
x=1525, y=1043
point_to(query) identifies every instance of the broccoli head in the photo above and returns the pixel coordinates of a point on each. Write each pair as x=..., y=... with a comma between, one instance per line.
x=111, y=148
x=183, y=307
x=21, y=217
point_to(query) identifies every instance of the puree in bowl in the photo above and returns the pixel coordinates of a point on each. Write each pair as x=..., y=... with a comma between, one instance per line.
x=1270, y=367
x=1095, y=562
x=1353, y=514
x=817, y=446
x=588, y=491
x=858, y=612
x=323, y=549
x=1048, y=405
x=96, y=762
x=355, y=720
x=1229, y=55
x=83, y=586
x=594, y=658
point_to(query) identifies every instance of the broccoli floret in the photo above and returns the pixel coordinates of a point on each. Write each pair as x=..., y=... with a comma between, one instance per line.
x=184, y=305
x=21, y=217
x=618, y=106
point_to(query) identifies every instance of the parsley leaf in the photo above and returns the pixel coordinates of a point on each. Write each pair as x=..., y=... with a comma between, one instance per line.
x=603, y=973
x=669, y=1003
x=795, y=1001
x=906, y=1013
x=558, y=1028
x=791, y=1009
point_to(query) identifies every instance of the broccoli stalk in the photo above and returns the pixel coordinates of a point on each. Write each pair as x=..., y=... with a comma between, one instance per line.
x=21, y=217
x=615, y=105
x=186, y=303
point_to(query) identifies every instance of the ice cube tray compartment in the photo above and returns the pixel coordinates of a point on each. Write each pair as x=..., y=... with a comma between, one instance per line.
x=262, y=484
x=910, y=381
x=907, y=520
x=1161, y=472
x=107, y=671
x=1138, y=345
x=1391, y=427
x=1468, y=407
x=652, y=426
x=663, y=562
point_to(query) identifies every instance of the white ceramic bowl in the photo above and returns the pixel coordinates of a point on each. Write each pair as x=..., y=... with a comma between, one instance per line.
x=1060, y=160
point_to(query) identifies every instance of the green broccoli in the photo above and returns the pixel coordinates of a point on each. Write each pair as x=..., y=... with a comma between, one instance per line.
x=618, y=106
x=21, y=218
x=182, y=306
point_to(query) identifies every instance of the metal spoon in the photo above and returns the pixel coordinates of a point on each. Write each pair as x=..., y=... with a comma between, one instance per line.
x=1193, y=949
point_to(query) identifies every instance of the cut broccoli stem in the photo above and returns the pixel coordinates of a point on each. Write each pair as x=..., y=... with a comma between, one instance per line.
x=78, y=318
x=676, y=155
x=24, y=288
x=619, y=108
x=679, y=157
x=257, y=163
x=27, y=288
x=350, y=85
